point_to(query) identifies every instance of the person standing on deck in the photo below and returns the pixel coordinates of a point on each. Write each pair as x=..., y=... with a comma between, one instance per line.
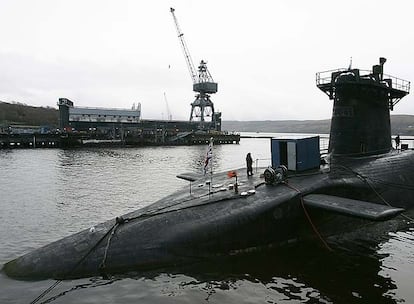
x=249, y=163
x=397, y=141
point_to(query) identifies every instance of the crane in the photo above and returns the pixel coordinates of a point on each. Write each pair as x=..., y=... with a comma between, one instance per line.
x=203, y=82
x=187, y=56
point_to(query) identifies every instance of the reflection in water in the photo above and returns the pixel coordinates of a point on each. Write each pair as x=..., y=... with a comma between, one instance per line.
x=398, y=264
x=300, y=274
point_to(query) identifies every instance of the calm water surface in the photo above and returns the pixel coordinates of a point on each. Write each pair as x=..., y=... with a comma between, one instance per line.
x=48, y=194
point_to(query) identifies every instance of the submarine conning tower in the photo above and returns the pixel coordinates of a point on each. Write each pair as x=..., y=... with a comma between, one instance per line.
x=360, y=122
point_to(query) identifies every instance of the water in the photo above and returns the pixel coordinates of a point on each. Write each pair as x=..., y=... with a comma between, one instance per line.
x=48, y=194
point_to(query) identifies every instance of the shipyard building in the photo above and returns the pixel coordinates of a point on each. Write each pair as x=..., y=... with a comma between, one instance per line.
x=84, y=118
x=128, y=126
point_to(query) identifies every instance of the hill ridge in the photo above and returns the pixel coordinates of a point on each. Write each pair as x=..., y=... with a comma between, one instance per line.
x=19, y=113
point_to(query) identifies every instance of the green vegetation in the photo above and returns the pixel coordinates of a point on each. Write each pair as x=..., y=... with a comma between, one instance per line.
x=18, y=113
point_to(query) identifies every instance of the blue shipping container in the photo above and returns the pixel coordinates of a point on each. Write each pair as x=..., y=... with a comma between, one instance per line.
x=297, y=154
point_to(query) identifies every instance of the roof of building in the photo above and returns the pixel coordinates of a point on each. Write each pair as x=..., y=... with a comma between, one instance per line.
x=103, y=111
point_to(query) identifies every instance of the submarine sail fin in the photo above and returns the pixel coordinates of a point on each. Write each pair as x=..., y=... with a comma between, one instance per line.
x=351, y=207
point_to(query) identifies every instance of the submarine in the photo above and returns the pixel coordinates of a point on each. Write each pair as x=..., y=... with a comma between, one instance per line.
x=360, y=181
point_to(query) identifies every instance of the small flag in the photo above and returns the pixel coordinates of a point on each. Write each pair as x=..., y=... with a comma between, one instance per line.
x=231, y=174
x=209, y=155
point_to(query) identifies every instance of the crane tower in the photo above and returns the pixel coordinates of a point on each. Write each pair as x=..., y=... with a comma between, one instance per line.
x=203, y=83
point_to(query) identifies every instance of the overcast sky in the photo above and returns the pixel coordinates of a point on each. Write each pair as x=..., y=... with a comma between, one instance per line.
x=263, y=54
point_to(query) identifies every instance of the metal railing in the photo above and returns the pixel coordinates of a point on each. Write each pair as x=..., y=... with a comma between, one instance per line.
x=325, y=77
x=262, y=159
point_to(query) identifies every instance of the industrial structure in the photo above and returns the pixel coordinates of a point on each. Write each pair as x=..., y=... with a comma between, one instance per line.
x=86, y=115
x=80, y=125
x=128, y=126
x=83, y=125
x=203, y=85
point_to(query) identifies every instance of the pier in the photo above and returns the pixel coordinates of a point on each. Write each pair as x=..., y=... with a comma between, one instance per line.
x=24, y=141
x=82, y=139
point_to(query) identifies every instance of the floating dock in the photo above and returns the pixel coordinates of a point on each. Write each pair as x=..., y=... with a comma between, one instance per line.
x=150, y=138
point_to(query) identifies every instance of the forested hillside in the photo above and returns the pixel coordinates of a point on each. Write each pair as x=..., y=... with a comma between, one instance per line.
x=17, y=113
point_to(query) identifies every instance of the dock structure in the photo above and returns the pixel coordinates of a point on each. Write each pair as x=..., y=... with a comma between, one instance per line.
x=24, y=141
x=113, y=127
x=67, y=140
x=92, y=126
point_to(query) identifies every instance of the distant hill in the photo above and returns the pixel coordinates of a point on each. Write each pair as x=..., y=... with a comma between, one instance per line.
x=18, y=113
x=279, y=126
x=400, y=124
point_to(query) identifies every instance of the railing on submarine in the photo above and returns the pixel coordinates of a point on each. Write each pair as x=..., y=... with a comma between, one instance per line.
x=325, y=77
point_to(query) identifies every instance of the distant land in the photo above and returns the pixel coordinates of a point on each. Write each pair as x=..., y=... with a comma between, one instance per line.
x=400, y=124
x=18, y=113
x=279, y=126
x=22, y=114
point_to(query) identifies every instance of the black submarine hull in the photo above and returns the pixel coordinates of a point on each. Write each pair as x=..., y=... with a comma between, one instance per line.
x=364, y=180
x=187, y=227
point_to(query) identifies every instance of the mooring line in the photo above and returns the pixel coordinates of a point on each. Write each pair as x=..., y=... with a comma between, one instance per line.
x=50, y=288
x=315, y=229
